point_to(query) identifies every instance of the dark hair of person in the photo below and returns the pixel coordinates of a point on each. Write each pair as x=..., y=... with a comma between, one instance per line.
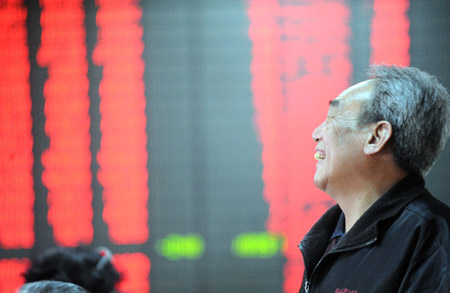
x=89, y=268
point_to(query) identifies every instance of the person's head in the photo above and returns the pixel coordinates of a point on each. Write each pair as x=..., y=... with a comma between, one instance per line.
x=51, y=287
x=89, y=268
x=418, y=108
x=340, y=142
x=400, y=118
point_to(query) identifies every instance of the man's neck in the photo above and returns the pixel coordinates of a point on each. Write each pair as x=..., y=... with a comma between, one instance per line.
x=354, y=209
x=354, y=203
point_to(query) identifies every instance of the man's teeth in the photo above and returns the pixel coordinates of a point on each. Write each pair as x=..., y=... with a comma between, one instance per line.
x=319, y=156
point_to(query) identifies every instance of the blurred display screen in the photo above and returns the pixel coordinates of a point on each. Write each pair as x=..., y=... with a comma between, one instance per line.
x=178, y=133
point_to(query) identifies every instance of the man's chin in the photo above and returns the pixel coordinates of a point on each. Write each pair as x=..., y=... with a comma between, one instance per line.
x=320, y=183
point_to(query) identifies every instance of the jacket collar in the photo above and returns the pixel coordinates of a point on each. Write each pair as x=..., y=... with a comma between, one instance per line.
x=368, y=227
x=385, y=208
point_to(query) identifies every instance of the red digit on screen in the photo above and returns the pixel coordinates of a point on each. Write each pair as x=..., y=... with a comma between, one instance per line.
x=390, y=32
x=134, y=269
x=300, y=62
x=11, y=271
x=66, y=162
x=123, y=155
x=16, y=141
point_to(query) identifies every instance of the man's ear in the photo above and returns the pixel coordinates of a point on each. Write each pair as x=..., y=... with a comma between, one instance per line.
x=380, y=133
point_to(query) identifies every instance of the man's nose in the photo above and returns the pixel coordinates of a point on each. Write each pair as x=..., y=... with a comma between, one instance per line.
x=317, y=133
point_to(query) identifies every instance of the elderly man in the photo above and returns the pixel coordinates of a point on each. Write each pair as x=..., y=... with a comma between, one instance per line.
x=386, y=233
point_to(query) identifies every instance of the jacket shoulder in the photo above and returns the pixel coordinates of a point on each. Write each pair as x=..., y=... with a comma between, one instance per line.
x=429, y=208
x=431, y=220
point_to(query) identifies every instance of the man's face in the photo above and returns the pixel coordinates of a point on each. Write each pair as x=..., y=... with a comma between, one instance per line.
x=340, y=142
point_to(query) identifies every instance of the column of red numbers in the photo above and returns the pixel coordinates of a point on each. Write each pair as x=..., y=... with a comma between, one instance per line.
x=123, y=154
x=300, y=62
x=66, y=162
x=390, y=38
x=16, y=141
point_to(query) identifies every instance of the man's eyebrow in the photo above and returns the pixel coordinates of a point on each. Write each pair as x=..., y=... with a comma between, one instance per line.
x=334, y=103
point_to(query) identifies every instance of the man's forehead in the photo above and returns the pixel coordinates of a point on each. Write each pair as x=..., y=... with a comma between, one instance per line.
x=360, y=90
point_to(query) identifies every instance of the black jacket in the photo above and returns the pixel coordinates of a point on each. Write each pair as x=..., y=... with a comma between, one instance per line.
x=400, y=244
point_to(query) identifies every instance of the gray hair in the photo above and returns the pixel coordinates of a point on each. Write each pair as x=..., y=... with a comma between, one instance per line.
x=418, y=108
x=50, y=286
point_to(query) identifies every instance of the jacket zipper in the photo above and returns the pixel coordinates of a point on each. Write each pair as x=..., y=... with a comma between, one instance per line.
x=308, y=283
x=306, y=286
x=306, y=271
